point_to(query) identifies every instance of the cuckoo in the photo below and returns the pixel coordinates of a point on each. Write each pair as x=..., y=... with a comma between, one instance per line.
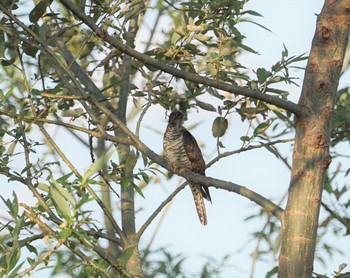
x=183, y=153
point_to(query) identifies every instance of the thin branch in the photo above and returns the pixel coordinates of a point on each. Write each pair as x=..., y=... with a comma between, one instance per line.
x=244, y=149
x=105, y=236
x=93, y=133
x=58, y=151
x=343, y=220
x=29, y=184
x=229, y=186
x=159, y=209
x=118, y=43
x=266, y=204
x=44, y=94
x=31, y=215
x=92, y=192
x=42, y=258
x=90, y=87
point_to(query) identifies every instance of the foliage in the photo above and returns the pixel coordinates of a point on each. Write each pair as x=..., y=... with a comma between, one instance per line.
x=57, y=75
x=165, y=264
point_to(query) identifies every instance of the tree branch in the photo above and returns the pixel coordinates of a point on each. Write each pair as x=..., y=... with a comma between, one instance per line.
x=234, y=89
x=159, y=209
x=91, y=87
x=229, y=186
x=93, y=133
x=248, y=148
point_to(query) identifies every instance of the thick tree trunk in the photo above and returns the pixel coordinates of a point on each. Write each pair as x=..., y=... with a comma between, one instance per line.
x=311, y=151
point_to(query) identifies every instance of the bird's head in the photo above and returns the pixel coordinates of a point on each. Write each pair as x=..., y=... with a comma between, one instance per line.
x=176, y=118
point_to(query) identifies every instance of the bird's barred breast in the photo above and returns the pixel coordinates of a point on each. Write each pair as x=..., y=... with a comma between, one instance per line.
x=175, y=152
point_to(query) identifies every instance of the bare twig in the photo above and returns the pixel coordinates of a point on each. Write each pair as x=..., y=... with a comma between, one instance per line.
x=248, y=148
x=159, y=209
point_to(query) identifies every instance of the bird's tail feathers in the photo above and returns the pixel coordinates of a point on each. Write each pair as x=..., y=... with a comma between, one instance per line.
x=199, y=202
x=205, y=192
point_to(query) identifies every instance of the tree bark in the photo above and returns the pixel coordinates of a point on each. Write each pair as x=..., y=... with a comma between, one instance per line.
x=126, y=155
x=311, y=150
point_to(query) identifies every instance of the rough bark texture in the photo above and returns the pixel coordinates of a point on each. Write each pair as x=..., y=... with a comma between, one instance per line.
x=311, y=151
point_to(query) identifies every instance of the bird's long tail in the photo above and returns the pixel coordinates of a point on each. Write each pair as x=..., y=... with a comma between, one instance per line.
x=199, y=202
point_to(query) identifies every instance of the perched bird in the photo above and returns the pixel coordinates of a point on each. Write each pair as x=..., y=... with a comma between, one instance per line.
x=182, y=152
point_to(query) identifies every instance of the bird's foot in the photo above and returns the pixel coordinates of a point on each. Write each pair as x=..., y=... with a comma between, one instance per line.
x=180, y=170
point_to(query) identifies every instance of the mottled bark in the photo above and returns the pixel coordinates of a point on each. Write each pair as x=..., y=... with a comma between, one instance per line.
x=311, y=150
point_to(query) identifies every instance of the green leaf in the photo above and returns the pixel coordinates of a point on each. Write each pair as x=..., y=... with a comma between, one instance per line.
x=272, y=272
x=328, y=186
x=11, y=148
x=145, y=160
x=32, y=249
x=219, y=127
x=252, y=13
x=14, y=273
x=202, y=38
x=64, y=178
x=145, y=177
x=60, y=204
x=12, y=205
x=212, y=69
x=205, y=106
x=245, y=138
x=43, y=187
x=138, y=190
x=8, y=62
x=175, y=38
x=271, y=150
x=261, y=128
x=65, y=233
x=97, y=166
x=17, y=230
x=38, y=11
x=2, y=44
x=30, y=49
x=62, y=191
x=262, y=75
x=74, y=113
x=15, y=257
x=284, y=52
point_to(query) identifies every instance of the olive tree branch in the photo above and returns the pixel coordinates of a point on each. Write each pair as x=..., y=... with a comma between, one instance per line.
x=63, y=71
x=90, y=87
x=190, y=176
x=234, y=89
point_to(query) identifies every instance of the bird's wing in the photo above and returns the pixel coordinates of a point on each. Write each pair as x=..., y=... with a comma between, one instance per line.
x=193, y=153
x=195, y=156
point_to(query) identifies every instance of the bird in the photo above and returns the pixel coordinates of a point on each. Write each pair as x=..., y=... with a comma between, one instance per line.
x=183, y=153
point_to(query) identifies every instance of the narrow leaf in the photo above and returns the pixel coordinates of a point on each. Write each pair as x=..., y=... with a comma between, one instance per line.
x=261, y=128
x=97, y=166
x=139, y=191
x=60, y=204
x=205, y=106
x=63, y=192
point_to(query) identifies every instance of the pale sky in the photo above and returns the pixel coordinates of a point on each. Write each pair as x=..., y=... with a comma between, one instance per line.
x=292, y=24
